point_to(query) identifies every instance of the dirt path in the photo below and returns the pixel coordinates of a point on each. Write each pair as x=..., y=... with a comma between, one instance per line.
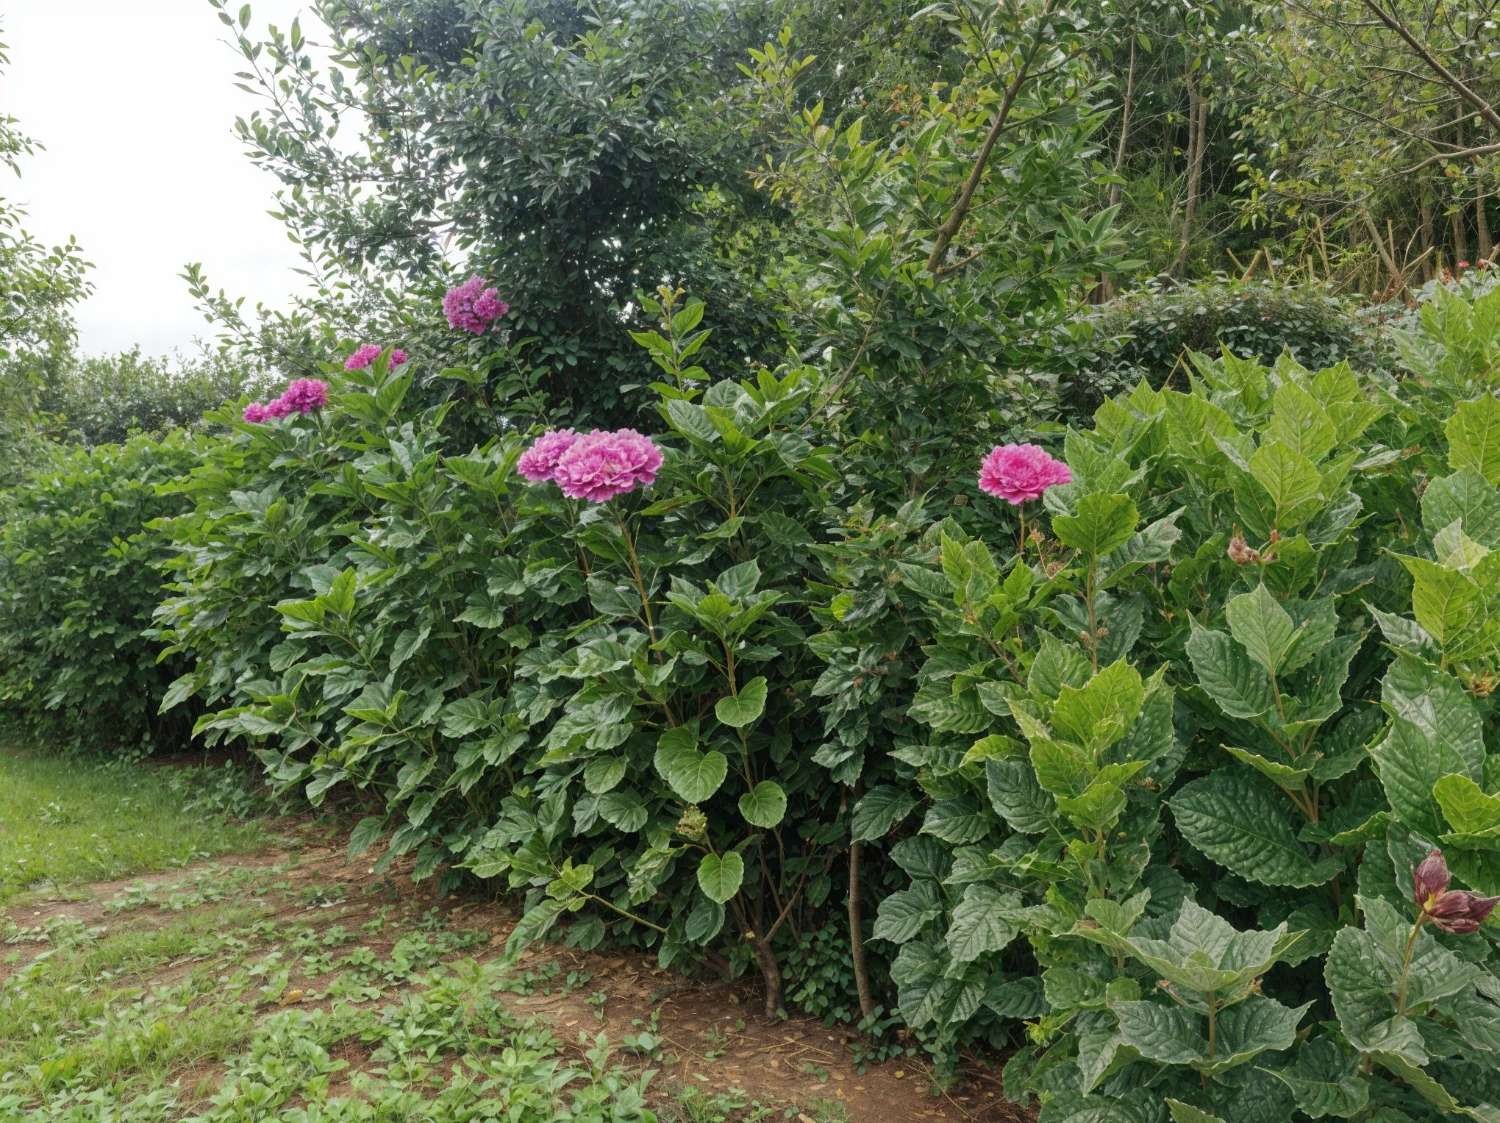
x=709, y=1036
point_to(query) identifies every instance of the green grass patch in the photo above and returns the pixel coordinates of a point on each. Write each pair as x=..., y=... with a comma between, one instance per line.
x=66, y=819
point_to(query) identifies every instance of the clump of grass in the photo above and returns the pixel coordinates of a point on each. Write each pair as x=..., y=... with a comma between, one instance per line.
x=66, y=819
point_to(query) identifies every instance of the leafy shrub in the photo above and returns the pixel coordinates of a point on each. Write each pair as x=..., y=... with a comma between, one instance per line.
x=77, y=589
x=1175, y=788
x=104, y=399
x=1149, y=334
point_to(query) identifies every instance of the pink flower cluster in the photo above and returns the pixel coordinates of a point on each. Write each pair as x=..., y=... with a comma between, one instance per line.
x=595, y=466
x=473, y=308
x=1019, y=473
x=367, y=353
x=302, y=396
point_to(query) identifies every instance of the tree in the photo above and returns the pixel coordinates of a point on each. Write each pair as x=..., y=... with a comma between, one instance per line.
x=38, y=287
x=569, y=151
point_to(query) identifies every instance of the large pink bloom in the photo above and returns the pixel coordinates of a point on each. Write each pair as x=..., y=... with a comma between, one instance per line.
x=279, y=408
x=601, y=465
x=363, y=356
x=255, y=413
x=305, y=395
x=1018, y=473
x=473, y=308
x=538, y=462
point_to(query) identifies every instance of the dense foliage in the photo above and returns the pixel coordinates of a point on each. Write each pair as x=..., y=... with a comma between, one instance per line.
x=77, y=583
x=1129, y=775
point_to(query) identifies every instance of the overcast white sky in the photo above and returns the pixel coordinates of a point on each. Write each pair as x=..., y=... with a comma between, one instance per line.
x=135, y=101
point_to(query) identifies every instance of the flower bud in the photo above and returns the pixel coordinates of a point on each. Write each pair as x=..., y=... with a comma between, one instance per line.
x=1240, y=552
x=1453, y=910
x=1429, y=880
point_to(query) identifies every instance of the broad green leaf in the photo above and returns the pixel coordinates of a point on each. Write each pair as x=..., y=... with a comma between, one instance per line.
x=603, y=773
x=981, y=923
x=1098, y=714
x=1444, y=601
x=764, y=805
x=1162, y=1033
x=1289, y=478
x=720, y=877
x=694, y=776
x=1468, y=809
x=1468, y=499
x=878, y=810
x=1299, y=421
x=744, y=708
x=1262, y=627
x=1016, y=796
x=1100, y=524
x=1324, y=1079
x=906, y=912
x=1474, y=438
x=1237, y=821
x=1228, y=675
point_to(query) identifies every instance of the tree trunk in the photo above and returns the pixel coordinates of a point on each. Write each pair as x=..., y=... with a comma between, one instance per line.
x=1460, y=236
x=770, y=974
x=857, y=937
x=1105, y=290
x=1482, y=229
x=1424, y=208
x=1197, y=125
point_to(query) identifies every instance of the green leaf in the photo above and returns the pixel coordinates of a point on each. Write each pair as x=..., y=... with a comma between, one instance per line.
x=1262, y=627
x=1098, y=714
x=878, y=810
x=1468, y=499
x=720, y=877
x=906, y=912
x=1237, y=821
x=1435, y=732
x=1474, y=438
x=1100, y=524
x=1289, y=478
x=694, y=776
x=744, y=708
x=764, y=805
x=1016, y=796
x=1324, y=1080
x=1466, y=806
x=603, y=773
x=1228, y=675
x=1166, y=1034
x=365, y=834
x=981, y=924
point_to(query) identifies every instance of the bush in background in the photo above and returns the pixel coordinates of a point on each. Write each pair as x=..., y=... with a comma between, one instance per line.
x=77, y=589
x=1148, y=334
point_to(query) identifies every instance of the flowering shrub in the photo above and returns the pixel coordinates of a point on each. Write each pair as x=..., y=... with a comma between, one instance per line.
x=1152, y=790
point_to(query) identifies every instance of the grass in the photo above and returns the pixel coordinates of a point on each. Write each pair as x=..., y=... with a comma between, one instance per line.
x=65, y=820
x=203, y=997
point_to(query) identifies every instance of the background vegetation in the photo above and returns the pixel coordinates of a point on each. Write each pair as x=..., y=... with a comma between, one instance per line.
x=1129, y=781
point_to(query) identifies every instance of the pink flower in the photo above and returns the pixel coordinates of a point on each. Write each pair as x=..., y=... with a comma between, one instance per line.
x=471, y=307
x=305, y=395
x=601, y=465
x=255, y=413
x=1463, y=264
x=538, y=462
x=1018, y=473
x=279, y=408
x=363, y=356
x=398, y=357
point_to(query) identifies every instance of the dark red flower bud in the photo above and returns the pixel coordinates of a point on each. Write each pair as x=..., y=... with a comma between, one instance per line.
x=1429, y=880
x=1461, y=912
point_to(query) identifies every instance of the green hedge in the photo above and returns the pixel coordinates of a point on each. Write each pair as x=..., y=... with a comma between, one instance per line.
x=1149, y=334
x=77, y=589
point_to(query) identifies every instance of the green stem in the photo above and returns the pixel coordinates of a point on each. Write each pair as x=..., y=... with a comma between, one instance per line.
x=1411, y=947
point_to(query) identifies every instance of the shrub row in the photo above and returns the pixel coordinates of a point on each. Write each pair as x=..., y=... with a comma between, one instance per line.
x=1147, y=765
